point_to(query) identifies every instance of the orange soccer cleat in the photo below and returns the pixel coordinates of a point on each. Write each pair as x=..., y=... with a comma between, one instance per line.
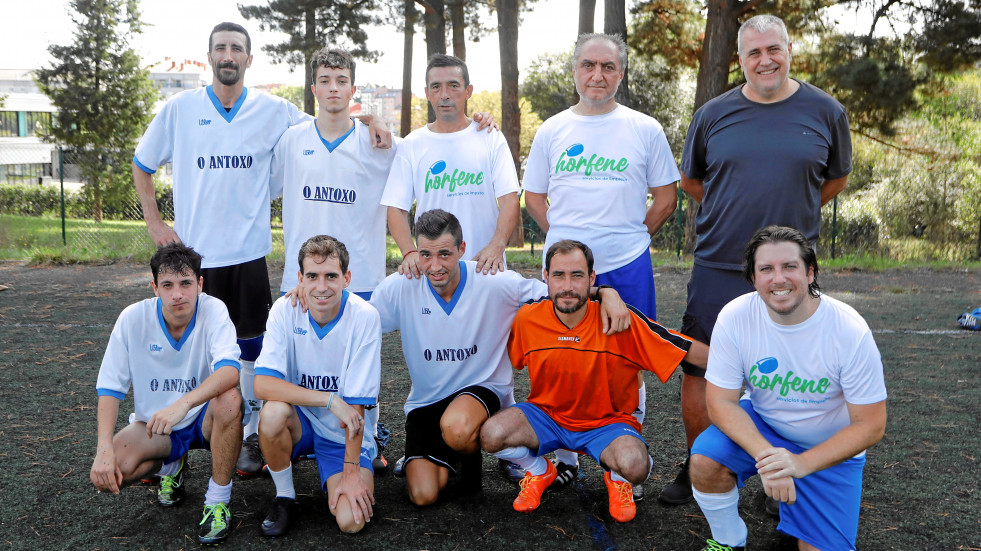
x=622, y=507
x=532, y=488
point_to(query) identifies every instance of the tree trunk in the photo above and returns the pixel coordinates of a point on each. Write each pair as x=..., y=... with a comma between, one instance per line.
x=435, y=35
x=507, y=32
x=459, y=28
x=587, y=12
x=310, y=30
x=410, y=30
x=615, y=23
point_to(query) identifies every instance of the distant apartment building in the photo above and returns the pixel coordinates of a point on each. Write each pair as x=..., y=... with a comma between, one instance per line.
x=24, y=158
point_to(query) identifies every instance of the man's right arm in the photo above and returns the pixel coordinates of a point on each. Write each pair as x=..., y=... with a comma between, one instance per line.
x=272, y=388
x=105, y=474
x=159, y=231
x=694, y=188
x=537, y=205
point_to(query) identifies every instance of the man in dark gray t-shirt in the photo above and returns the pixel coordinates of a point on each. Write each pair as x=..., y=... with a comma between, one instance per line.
x=771, y=151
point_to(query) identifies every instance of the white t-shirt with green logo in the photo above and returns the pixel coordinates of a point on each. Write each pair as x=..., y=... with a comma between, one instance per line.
x=596, y=171
x=797, y=376
x=461, y=172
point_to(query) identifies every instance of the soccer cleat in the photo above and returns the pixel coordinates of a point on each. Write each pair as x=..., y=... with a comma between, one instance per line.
x=382, y=436
x=622, y=507
x=171, y=490
x=532, y=488
x=511, y=471
x=399, y=469
x=679, y=491
x=638, y=492
x=565, y=473
x=277, y=522
x=716, y=546
x=379, y=464
x=250, y=459
x=969, y=320
x=215, y=524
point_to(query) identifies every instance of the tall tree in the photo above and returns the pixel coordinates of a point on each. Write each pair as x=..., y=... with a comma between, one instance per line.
x=587, y=15
x=435, y=20
x=507, y=33
x=410, y=23
x=615, y=23
x=458, y=27
x=311, y=25
x=104, y=98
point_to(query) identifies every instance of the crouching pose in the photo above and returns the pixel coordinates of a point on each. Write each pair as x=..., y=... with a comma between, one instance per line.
x=317, y=371
x=583, y=384
x=179, y=354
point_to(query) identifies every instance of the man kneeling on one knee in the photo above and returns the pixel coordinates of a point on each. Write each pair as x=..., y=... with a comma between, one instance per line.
x=583, y=384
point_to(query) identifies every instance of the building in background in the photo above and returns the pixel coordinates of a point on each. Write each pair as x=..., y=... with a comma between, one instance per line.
x=24, y=158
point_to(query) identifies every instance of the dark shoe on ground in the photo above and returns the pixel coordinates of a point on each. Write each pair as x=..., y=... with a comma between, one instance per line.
x=511, y=471
x=679, y=491
x=250, y=459
x=565, y=473
x=215, y=524
x=399, y=469
x=716, y=546
x=379, y=464
x=382, y=436
x=277, y=522
x=171, y=490
x=772, y=507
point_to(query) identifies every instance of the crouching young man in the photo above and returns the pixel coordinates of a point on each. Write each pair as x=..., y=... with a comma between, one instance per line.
x=317, y=371
x=584, y=385
x=179, y=354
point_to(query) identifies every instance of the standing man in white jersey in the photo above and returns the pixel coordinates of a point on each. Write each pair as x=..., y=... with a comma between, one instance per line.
x=454, y=326
x=310, y=402
x=178, y=353
x=588, y=177
x=449, y=165
x=220, y=141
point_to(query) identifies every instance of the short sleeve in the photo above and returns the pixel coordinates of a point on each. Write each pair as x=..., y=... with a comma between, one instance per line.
x=362, y=378
x=384, y=298
x=724, y=369
x=398, y=189
x=536, y=175
x=862, y=378
x=693, y=156
x=156, y=147
x=840, y=158
x=505, y=177
x=114, y=374
x=222, y=339
x=662, y=169
x=273, y=358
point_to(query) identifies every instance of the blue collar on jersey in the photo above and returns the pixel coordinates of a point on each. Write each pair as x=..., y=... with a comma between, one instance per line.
x=322, y=331
x=227, y=115
x=187, y=330
x=331, y=146
x=448, y=306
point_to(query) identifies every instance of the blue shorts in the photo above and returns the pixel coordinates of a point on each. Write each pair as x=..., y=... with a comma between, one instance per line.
x=329, y=454
x=826, y=512
x=635, y=283
x=709, y=289
x=553, y=437
x=188, y=438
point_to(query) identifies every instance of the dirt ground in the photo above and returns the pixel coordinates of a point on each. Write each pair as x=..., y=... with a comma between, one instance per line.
x=921, y=481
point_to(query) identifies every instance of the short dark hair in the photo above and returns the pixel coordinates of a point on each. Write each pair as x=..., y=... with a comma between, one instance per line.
x=177, y=258
x=325, y=247
x=614, y=39
x=332, y=58
x=780, y=234
x=233, y=27
x=566, y=246
x=443, y=60
x=434, y=223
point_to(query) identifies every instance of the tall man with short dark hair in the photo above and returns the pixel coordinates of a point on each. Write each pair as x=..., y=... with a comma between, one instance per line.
x=798, y=159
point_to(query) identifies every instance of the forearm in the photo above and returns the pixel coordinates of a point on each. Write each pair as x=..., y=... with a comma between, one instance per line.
x=537, y=205
x=863, y=431
x=726, y=414
x=270, y=388
x=108, y=410
x=698, y=354
x=146, y=192
x=831, y=188
x=694, y=188
x=665, y=199
x=398, y=226
x=352, y=446
x=217, y=383
x=507, y=219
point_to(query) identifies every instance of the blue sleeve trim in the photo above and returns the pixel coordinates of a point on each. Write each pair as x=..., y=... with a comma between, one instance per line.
x=270, y=373
x=359, y=401
x=233, y=363
x=142, y=166
x=113, y=393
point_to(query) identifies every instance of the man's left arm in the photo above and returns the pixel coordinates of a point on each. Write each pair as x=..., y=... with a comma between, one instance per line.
x=381, y=138
x=491, y=258
x=831, y=188
x=665, y=201
x=351, y=485
x=222, y=380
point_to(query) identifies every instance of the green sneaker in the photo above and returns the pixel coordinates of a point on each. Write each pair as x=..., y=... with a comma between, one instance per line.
x=171, y=490
x=215, y=524
x=716, y=546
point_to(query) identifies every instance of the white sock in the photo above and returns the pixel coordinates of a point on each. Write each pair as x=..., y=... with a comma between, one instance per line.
x=371, y=429
x=567, y=457
x=284, y=482
x=524, y=458
x=169, y=469
x=616, y=476
x=722, y=513
x=217, y=494
x=252, y=404
x=641, y=410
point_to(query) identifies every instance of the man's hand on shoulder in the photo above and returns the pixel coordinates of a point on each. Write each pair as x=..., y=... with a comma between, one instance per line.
x=381, y=138
x=485, y=121
x=613, y=311
x=410, y=266
x=490, y=259
x=296, y=297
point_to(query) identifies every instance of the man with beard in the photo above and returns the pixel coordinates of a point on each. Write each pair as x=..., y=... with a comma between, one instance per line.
x=583, y=384
x=220, y=140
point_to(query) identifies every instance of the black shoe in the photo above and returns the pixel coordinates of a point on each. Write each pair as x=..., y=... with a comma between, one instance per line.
x=215, y=524
x=772, y=507
x=566, y=473
x=379, y=464
x=679, y=491
x=716, y=546
x=511, y=471
x=250, y=459
x=277, y=522
x=399, y=469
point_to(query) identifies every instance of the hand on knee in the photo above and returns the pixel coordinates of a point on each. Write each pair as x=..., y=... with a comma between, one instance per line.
x=345, y=518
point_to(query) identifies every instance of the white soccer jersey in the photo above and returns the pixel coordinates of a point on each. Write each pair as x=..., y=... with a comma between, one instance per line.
x=452, y=346
x=142, y=354
x=797, y=376
x=596, y=171
x=337, y=193
x=221, y=164
x=343, y=357
x=461, y=172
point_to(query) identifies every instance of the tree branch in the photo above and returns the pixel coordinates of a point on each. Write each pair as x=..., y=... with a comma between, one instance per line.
x=925, y=152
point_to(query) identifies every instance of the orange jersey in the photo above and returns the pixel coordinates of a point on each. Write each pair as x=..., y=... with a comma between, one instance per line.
x=582, y=378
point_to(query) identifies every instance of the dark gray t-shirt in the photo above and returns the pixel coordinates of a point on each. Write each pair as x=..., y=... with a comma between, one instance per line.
x=762, y=164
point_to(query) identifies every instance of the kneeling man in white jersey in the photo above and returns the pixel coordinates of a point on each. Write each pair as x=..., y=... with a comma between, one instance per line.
x=454, y=327
x=317, y=371
x=178, y=353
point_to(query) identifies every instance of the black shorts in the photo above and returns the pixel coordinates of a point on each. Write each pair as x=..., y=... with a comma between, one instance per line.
x=244, y=288
x=708, y=291
x=423, y=437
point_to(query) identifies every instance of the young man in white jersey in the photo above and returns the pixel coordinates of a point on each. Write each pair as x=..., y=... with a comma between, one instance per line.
x=449, y=165
x=220, y=140
x=179, y=355
x=317, y=372
x=454, y=327
x=814, y=402
x=588, y=177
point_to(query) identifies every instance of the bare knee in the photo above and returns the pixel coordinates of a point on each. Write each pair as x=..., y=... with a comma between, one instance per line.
x=346, y=522
x=227, y=407
x=708, y=475
x=492, y=436
x=273, y=416
x=422, y=494
x=458, y=434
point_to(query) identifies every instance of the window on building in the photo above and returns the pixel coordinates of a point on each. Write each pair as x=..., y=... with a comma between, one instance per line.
x=8, y=124
x=24, y=173
x=36, y=122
